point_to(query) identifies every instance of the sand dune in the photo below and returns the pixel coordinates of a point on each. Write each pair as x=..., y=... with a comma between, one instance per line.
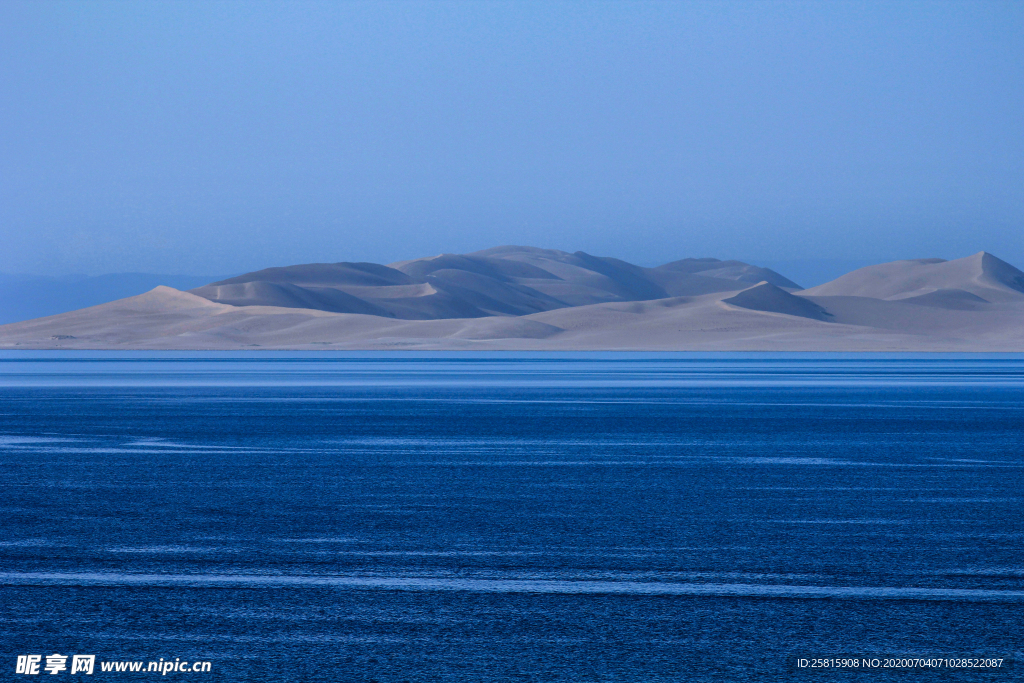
x=771, y=299
x=23, y=297
x=287, y=295
x=526, y=298
x=512, y=281
x=728, y=270
x=982, y=274
x=325, y=274
x=955, y=299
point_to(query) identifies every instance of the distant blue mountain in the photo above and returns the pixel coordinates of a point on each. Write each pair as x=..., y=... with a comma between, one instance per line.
x=23, y=297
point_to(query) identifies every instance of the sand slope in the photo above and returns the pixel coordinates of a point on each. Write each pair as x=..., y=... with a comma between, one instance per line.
x=524, y=298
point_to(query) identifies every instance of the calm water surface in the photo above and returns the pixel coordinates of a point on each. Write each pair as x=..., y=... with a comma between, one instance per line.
x=496, y=517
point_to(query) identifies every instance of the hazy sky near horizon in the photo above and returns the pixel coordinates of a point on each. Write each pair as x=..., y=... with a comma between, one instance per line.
x=220, y=137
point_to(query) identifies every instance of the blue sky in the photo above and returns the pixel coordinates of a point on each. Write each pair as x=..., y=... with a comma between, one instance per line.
x=220, y=137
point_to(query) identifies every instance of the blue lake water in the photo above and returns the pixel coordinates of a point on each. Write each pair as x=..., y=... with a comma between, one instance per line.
x=499, y=517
